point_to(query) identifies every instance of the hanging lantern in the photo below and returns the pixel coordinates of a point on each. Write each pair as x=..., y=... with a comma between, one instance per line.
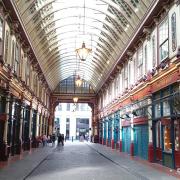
x=83, y=52
x=75, y=99
x=78, y=81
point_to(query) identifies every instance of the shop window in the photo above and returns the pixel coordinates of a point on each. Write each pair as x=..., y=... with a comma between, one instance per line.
x=166, y=108
x=163, y=40
x=173, y=31
x=167, y=138
x=157, y=110
x=177, y=135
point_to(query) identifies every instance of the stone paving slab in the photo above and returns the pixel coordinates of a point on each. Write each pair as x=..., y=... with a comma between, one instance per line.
x=21, y=168
x=137, y=168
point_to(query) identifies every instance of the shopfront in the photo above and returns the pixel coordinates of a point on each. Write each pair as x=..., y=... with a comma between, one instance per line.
x=141, y=141
x=166, y=126
x=141, y=116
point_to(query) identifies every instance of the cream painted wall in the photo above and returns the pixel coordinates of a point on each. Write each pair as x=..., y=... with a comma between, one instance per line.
x=73, y=115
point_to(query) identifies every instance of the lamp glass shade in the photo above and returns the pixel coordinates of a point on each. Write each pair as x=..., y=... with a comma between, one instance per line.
x=83, y=52
x=75, y=99
x=78, y=81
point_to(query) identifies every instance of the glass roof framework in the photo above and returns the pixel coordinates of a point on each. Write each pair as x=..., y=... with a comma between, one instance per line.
x=57, y=27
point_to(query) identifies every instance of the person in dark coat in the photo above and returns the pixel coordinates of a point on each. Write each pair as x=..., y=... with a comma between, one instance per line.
x=53, y=139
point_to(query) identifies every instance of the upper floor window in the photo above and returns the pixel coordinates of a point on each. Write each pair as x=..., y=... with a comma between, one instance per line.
x=173, y=31
x=126, y=76
x=154, y=50
x=145, y=57
x=129, y=74
x=1, y=29
x=13, y=53
x=35, y=84
x=163, y=40
x=83, y=107
x=59, y=107
x=16, y=63
x=68, y=107
x=28, y=74
x=6, y=46
x=140, y=62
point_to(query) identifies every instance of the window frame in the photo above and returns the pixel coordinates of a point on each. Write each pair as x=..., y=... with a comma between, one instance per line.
x=17, y=58
x=140, y=63
x=164, y=41
x=173, y=32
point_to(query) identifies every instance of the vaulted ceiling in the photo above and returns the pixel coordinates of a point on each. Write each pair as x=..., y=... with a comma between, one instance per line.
x=57, y=27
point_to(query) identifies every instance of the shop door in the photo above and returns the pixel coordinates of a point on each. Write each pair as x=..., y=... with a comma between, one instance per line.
x=141, y=141
x=168, y=138
x=126, y=139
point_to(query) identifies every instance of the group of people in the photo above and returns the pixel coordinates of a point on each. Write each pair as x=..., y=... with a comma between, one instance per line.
x=50, y=139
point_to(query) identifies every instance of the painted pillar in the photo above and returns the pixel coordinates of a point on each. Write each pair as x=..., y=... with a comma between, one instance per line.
x=19, y=148
x=30, y=126
x=103, y=126
x=132, y=137
x=112, y=129
x=18, y=126
x=116, y=130
x=107, y=131
x=120, y=133
x=150, y=145
x=27, y=140
x=37, y=124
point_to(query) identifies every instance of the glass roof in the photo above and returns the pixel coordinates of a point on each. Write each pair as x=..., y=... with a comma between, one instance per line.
x=57, y=27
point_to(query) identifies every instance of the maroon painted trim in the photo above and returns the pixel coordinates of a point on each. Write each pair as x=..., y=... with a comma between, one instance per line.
x=140, y=120
x=158, y=154
x=126, y=123
x=120, y=145
x=3, y=117
x=165, y=121
x=150, y=152
x=112, y=144
x=132, y=148
x=177, y=159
